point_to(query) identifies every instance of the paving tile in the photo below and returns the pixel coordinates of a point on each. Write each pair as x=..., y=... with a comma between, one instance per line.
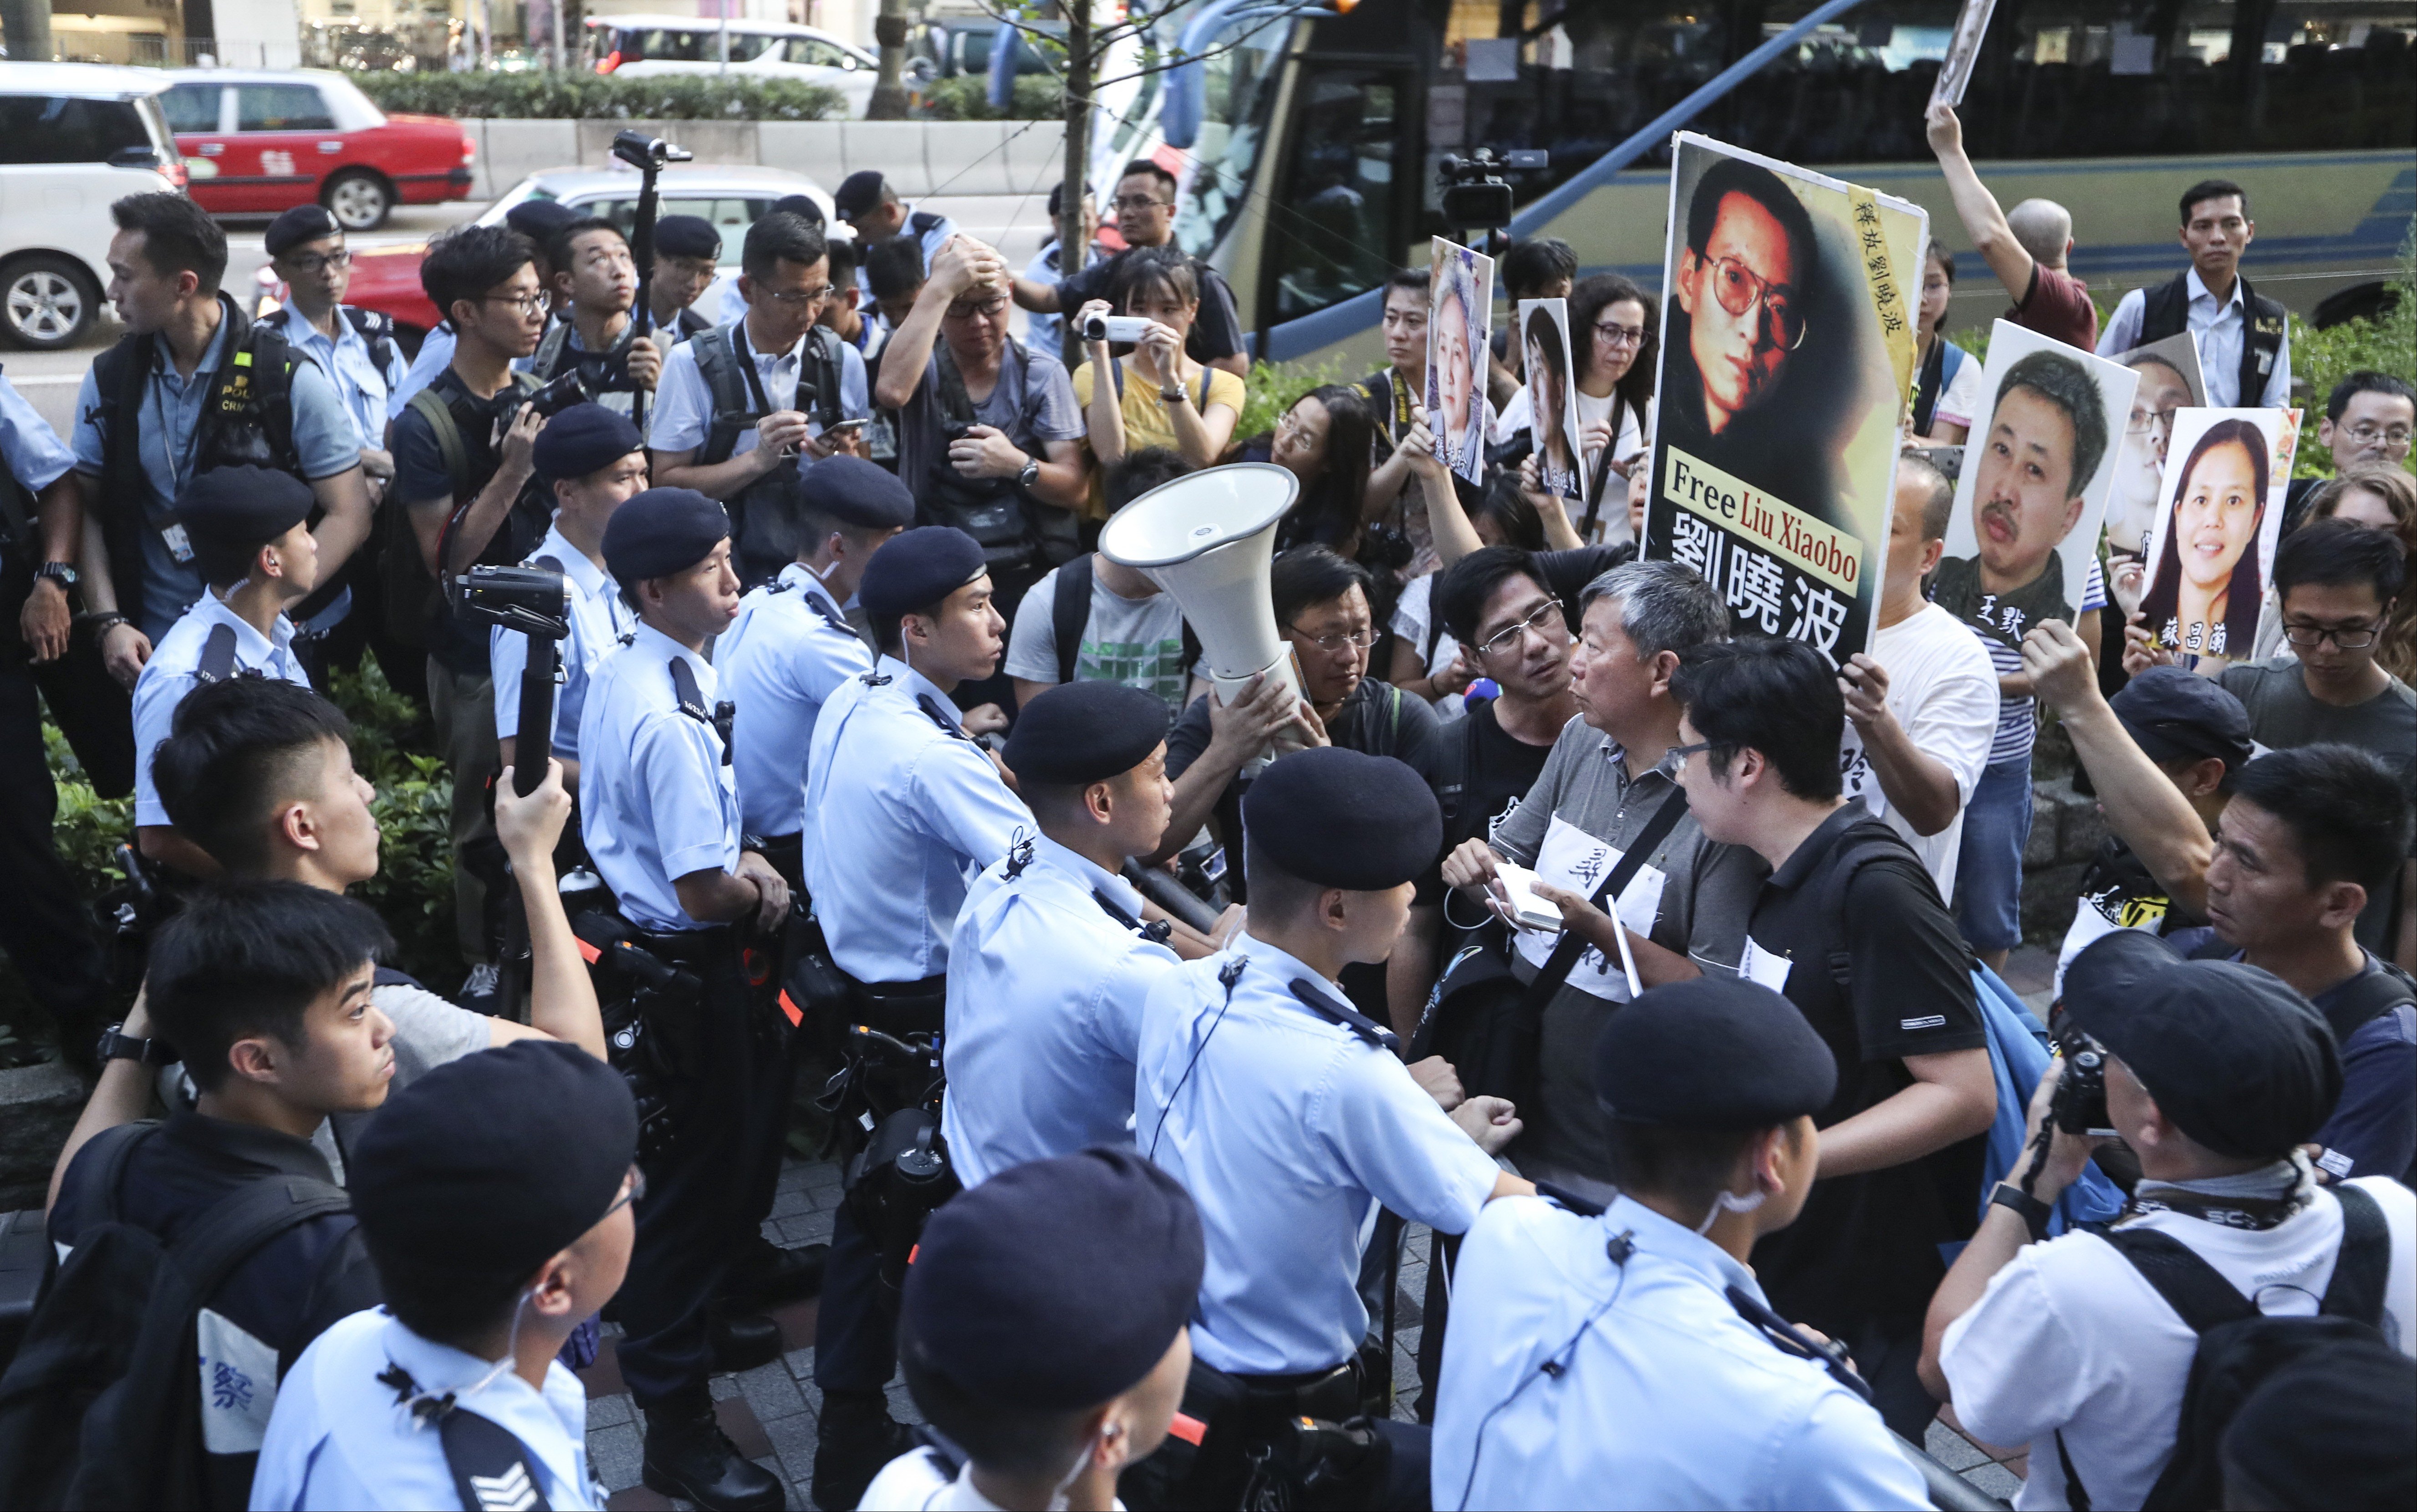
x=772, y=1392
x=738, y=1421
x=615, y=1455
x=1952, y=1449
x=1997, y=1480
x=792, y=1440
x=639, y=1499
x=609, y=1412
x=725, y=1388
x=603, y=1377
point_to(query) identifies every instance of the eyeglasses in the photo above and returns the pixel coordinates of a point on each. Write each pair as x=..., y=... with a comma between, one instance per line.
x=1332, y=644
x=314, y=262
x=2150, y=422
x=1544, y=619
x=800, y=298
x=1674, y=761
x=633, y=1189
x=2348, y=637
x=2367, y=436
x=1618, y=336
x=1137, y=203
x=1741, y=289
x=968, y=310
x=528, y=304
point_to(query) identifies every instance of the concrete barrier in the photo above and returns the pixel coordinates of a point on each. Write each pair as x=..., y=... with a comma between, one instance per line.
x=950, y=158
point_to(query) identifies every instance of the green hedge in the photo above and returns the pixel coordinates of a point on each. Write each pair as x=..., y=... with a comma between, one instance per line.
x=1038, y=97
x=547, y=96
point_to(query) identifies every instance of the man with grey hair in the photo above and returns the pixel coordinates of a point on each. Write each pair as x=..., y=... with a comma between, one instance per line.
x=2026, y=248
x=1685, y=910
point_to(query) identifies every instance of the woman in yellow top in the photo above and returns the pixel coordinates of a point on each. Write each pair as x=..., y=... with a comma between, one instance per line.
x=1155, y=397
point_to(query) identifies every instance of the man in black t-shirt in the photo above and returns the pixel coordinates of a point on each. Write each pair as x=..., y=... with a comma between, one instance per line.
x=1321, y=607
x=464, y=471
x=1848, y=929
x=1515, y=629
x=1145, y=207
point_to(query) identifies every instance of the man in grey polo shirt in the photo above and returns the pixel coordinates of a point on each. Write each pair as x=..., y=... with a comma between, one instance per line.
x=1685, y=910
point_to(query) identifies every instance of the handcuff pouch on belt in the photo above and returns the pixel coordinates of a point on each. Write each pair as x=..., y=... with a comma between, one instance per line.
x=890, y=1058
x=895, y=1183
x=649, y=1006
x=1248, y=1442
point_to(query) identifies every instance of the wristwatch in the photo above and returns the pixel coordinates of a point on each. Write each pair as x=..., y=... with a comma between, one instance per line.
x=116, y=1045
x=1030, y=473
x=62, y=573
x=1174, y=393
x=2033, y=1212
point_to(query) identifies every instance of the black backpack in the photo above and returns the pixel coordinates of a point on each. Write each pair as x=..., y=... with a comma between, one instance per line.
x=101, y=1406
x=2239, y=1347
x=1070, y=610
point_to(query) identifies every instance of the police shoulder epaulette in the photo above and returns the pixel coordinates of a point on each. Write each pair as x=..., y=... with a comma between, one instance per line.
x=930, y=706
x=1325, y=1007
x=692, y=703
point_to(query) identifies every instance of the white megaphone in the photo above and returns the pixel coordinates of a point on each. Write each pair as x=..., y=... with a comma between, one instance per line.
x=1208, y=538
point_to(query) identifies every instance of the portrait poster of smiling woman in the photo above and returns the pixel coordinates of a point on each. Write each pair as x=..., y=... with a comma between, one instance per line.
x=1786, y=354
x=2213, y=556
x=2038, y=467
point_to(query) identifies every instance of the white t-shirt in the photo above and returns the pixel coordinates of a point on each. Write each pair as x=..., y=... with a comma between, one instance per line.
x=1136, y=641
x=1944, y=692
x=1611, y=523
x=1413, y=612
x=1960, y=400
x=2071, y=1335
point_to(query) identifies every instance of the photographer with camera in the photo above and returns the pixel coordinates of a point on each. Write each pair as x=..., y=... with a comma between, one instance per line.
x=595, y=285
x=2213, y=1073
x=1156, y=395
x=746, y=407
x=989, y=435
x=1631, y=1345
x=590, y=459
x=465, y=476
x=659, y=814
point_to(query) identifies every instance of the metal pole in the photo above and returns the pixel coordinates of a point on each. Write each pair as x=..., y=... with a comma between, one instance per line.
x=1081, y=69
x=561, y=59
x=27, y=25
x=725, y=38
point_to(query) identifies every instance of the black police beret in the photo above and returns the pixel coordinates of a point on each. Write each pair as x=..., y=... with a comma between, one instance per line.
x=917, y=568
x=2234, y=1057
x=1712, y=1054
x=858, y=192
x=583, y=439
x=539, y=219
x=302, y=223
x=862, y=494
x=2325, y=1431
x=491, y=1164
x=687, y=235
x=1338, y=818
x=242, y=506
x=1055, y=1285
x=2172, y=714
x=660, y=532
x=1080, y=733
x=800, y=205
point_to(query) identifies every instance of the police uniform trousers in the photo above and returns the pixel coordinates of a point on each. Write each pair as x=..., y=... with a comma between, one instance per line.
x=43, y=924
x=728, y=1144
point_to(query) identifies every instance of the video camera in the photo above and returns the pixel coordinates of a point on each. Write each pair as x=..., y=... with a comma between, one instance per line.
x=1476, y=196
x=649, y=156
x=534, y=601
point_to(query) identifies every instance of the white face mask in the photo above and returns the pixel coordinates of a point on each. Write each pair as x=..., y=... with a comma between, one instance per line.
x=1730, y=1203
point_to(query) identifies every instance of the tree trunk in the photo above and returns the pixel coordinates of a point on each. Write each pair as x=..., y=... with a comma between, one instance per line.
x=28, y=26
x=889, y=102
x=1071, y=252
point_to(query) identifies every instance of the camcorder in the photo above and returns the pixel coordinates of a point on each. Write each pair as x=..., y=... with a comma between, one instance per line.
x=2078, y=1104
x=1476, y=196
x=532, y=600
x=559, y=394
x=1124, y=328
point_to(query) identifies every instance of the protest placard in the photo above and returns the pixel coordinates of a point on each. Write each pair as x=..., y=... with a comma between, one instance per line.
x=1963, y=51
x=1543, y=327
x=1788, y=347
x=2169, y=383
x=1460, y=326
x=2212, y=556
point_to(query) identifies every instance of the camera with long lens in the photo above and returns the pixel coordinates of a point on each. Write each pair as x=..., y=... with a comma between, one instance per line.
x=2078, y=1104
x=557, y=395
x=1476, y=196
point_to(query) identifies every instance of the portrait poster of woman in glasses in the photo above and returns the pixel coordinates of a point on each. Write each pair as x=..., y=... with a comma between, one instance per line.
x=1786, y=352
x=2213, y=556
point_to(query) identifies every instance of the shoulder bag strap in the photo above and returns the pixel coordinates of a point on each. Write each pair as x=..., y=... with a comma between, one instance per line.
x=1567, y=950
x=2366, y=997
x=2196, y=1290
x=430, y=406
x=2357, y=1288
x=1070, y=611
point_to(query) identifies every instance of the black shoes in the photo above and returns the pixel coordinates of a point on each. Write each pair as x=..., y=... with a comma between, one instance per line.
x=857, y=1438
x=763, y=1274
x=741, y=1340
x=688, y=1456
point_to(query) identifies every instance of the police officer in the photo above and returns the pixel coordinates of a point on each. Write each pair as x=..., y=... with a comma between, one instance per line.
x=688, y=257
x=493, y=1194
x=793, y=646
x=42, y=927
x=1051, y=962
x=1287, y=1115
x=661, y=820
x=902, y=808
x=1633, y=1346
x=250, y=544
x=356, y=348
x=1043, y=1329
x=593, y=462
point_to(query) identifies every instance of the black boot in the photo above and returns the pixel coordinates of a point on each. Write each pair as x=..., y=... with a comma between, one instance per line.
x=688, y=1456
x=856, y=1437
x=763, y=1275
x=741, y=1340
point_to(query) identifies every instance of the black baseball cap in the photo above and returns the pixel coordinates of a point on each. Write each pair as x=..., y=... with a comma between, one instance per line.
x=2175, y=715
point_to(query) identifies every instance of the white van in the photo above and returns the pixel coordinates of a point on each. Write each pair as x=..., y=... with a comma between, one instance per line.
x=73, y=138
x=642, y=46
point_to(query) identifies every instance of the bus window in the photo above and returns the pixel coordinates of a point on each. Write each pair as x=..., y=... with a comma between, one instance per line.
x=1242, y=86
x=1333, y=215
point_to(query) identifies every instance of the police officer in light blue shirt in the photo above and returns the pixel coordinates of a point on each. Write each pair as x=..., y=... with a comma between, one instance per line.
x=1627, y=1358
x=661, y=819
x=354, y=348
x=493, y=1194
x=902, y=810
x=792, y=645
x=1051, y=962
x=250, y=543
x=594, y=462
x=1286, y=1112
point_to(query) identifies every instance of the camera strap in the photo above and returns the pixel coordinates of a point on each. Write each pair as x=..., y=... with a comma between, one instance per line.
x=1566, y=951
